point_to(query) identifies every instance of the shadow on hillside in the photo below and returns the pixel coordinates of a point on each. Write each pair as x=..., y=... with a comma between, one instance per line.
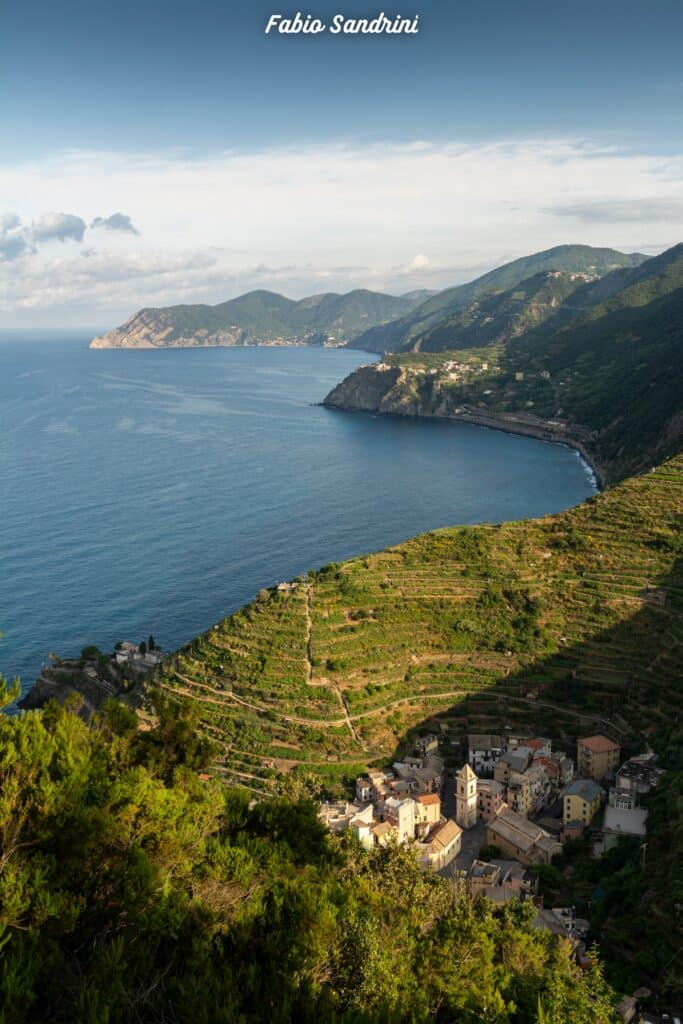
x=626, y=680
x=626, y=675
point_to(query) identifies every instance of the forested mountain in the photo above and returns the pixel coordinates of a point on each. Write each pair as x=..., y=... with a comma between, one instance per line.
x=552, y=298
x=618, y=370
x=571, y=259
x=501, y=316
x=260, y=317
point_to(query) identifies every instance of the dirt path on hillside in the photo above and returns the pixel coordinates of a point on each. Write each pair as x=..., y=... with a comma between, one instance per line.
x=327, y=682
x=227, y=697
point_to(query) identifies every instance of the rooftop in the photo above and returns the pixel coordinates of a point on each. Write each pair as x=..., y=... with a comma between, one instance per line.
x=382, y=828
x=429, y=798
x=517, y=759
x=484, y=741
x=484, y=869
x=587, y=789
x=598, y=744
x=547, y=843
x=642, y=769
x=489, y=786
x=444, y=835
x=630, y=823
x=512, y=869
x=516, y=829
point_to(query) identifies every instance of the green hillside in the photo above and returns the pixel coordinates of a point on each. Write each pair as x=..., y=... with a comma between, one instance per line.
x=260, y=317
x=497, y=318
x=635, y=286
x=334, y=670
x=617, y=369
x=572, y=259
x=660, y=276
x=132, y=887
x=620, y=374
x=552, y=299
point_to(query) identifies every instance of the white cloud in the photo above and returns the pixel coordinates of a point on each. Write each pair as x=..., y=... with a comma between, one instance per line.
x=13, y=241
x=95, y=280
x=116, y=222
x=59, y=227
x=305, y=219
x=419, y=262
x=9, y=222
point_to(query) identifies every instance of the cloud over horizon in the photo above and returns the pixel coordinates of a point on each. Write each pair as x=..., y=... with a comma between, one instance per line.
x=304, y=219
x=623, y=211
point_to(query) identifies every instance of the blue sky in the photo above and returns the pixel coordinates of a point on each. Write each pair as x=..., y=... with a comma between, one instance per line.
x=539, y=123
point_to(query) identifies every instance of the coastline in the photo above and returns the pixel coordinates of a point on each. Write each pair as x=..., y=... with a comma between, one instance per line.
x=539, y=431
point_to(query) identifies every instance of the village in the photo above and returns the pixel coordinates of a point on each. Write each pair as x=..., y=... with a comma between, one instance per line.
x=507, y=810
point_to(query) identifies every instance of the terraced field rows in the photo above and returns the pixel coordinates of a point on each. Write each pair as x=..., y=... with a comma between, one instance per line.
x=585, y=608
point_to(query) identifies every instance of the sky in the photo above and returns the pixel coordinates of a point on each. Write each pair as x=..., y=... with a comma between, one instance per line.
x=154, y=153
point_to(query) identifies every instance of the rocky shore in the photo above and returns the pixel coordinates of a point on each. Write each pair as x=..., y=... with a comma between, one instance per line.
x=158, y=329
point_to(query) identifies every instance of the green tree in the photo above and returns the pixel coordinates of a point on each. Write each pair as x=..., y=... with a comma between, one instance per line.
x=131, y=889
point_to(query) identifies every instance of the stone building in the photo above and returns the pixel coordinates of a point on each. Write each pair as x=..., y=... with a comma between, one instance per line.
x=490, y=798
x=597, y=757
x=466, y=797
x=520, y=839
x=582, y=801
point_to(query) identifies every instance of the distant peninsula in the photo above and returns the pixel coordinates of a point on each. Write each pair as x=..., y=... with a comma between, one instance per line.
x=262, y=318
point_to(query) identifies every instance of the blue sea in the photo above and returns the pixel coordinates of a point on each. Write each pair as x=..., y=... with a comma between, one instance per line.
x=157, y=491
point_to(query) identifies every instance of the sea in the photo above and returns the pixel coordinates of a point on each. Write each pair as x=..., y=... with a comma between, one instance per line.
x=157, y=491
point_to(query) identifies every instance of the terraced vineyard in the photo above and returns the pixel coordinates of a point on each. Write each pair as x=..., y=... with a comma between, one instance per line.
x=584, y=609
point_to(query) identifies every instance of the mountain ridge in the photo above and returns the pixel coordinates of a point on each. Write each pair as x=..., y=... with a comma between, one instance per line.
x=568, y=258
x=258, y=317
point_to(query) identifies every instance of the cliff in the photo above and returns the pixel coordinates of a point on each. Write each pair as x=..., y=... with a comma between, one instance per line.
x=155, y=329
x=372, y=388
